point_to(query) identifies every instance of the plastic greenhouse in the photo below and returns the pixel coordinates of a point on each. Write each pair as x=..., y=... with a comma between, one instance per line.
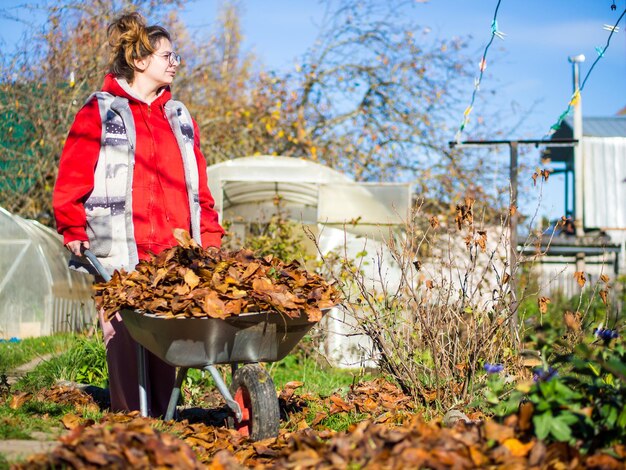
x=343, y=214
x=39, y=294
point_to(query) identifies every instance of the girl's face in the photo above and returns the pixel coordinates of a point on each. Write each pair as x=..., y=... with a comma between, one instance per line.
x=160, y=67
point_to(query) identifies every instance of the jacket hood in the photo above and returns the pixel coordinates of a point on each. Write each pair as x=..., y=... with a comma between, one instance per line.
x=119, y=87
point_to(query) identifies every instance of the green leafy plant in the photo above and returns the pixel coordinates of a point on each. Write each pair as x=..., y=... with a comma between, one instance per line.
x=581, y=399
x=500, y=395
x=84, y=362
x=558, y=410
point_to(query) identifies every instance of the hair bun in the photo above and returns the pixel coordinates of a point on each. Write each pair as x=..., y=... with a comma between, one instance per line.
x=128, y=36
x=131, y=39
x=126, y=29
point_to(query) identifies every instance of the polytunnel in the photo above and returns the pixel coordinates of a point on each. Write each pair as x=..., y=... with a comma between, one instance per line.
x=344, y=215
x=39, y=294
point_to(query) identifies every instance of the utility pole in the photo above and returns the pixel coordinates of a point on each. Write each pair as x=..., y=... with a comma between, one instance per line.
x=578, y=156
x=513, y=175
x=513, y=167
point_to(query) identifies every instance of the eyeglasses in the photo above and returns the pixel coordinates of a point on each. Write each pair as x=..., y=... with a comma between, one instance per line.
x=172, y=57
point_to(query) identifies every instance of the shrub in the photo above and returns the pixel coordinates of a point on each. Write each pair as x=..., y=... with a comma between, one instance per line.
x=449, y=311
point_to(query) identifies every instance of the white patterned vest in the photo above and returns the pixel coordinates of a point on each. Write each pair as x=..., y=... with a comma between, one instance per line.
x=109, y=207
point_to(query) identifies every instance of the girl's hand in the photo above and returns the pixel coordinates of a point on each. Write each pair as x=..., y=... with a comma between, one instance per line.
x=77, y=247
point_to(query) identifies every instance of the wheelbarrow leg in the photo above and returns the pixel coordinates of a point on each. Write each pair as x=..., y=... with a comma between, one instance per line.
x=171, y=407
x=141, y=372
x=221, y=386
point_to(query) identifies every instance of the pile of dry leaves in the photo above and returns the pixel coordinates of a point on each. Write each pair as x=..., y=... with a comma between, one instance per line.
x=60, y=395
x=189, y=281
x=135, y=444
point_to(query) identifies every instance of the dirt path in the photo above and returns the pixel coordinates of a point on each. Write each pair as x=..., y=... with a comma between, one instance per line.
x=17, y=449
x=20, y=371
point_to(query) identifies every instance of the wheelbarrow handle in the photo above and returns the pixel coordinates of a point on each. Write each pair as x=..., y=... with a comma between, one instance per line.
x=141, y=353
x=97, y=264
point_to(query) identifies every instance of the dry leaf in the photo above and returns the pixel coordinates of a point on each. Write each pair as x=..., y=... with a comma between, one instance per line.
x=319, y=417
x=572, y=320
x=580, y=278
x=183, y=238
x=482, y=240
x=19, y=399
x=526, y=410
x=517, y=448
x=189, y=281
x=70, y=421
x=497, y=432
x=543, y=304
x=534, y=176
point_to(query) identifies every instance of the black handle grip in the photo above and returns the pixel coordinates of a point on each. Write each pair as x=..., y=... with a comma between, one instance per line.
x=97, y=264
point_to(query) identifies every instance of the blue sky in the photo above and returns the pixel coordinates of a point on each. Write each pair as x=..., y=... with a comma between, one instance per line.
x=528, y=69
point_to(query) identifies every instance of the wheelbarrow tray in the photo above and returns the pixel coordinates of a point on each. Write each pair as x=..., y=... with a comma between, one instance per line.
x=200, y=342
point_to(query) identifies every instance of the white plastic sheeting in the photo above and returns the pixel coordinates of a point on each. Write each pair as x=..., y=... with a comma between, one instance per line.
x=343, y=343
x=346, y=216
x=39, y=295
x=246, y=188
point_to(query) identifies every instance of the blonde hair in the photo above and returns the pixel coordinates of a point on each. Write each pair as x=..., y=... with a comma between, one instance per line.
x=130, y=39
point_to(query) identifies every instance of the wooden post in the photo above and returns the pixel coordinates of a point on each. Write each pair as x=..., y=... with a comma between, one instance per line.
x=513, y=238
x=514, y=261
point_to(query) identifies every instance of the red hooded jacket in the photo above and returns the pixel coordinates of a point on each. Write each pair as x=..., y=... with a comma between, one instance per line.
x=160, y=201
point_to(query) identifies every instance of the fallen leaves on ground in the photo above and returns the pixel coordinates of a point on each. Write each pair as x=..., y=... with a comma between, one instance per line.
x=59, y=395
x=189, y=281
x=381, y=441
x=135, y=444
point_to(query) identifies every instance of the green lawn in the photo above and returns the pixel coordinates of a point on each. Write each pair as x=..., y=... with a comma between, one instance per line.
x=13, y=354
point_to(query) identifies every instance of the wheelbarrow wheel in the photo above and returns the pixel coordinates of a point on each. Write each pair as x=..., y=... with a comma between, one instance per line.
x=253, y=389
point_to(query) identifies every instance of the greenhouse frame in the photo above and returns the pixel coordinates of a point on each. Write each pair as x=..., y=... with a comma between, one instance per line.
x=39, y=294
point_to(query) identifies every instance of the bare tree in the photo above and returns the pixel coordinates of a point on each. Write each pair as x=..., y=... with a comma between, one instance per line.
x=372, y=97
x=42, y=86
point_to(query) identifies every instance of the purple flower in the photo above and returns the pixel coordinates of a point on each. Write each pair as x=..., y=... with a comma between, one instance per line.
x=544, y=375
x=605, y=334
x=493, y=368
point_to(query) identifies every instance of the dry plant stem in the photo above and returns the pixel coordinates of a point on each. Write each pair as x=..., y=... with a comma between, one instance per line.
x=448, y=315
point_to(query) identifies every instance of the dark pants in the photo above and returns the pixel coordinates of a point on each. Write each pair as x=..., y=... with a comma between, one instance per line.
x=121, y=352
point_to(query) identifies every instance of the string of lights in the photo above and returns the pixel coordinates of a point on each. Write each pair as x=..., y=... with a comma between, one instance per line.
x=483, y=65
x=576, y=96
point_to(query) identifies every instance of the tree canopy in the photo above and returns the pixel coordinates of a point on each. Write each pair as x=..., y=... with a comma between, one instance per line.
x=371, y=97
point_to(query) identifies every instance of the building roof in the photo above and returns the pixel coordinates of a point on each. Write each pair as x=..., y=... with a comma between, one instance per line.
x=610, y=126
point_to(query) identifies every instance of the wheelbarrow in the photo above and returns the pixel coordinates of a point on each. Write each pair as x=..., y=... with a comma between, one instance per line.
x=203, y=343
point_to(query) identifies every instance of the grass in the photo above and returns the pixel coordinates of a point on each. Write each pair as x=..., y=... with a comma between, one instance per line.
x=15, y=354
x=316, y=379
x=32, y=416
x=84, y=361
